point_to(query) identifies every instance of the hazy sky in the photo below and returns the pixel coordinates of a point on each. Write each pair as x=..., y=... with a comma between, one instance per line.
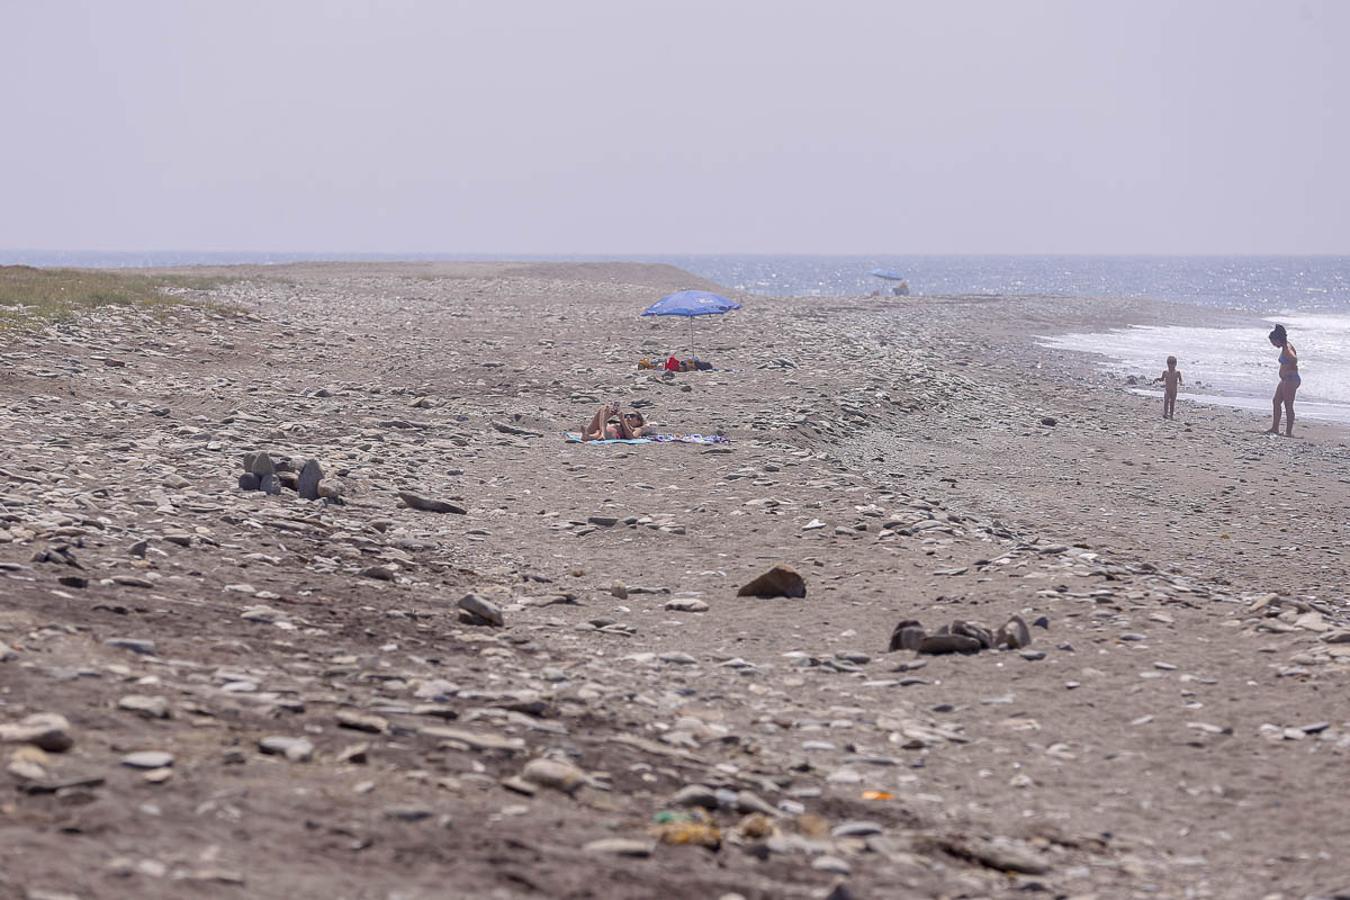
x=628, y=126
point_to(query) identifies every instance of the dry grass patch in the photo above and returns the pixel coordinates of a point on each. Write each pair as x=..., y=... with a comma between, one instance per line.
x=36, y=296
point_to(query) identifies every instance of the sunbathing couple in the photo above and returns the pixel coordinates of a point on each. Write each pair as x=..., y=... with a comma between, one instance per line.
x=609, y=423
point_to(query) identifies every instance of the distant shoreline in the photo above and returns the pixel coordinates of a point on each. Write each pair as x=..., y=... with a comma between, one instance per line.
x=1257, y=284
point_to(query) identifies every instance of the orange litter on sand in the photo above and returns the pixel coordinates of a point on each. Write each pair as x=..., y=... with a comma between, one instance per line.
x=878, y=795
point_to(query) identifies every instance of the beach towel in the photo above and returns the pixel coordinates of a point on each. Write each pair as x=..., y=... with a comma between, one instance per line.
x=574, y=437
x=690, y=439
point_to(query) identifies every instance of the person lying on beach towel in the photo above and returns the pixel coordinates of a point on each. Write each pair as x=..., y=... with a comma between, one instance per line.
x=610, y=423
x=574, y=437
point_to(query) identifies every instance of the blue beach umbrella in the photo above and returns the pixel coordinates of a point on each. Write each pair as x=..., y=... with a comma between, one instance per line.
x=888, y=274
x=689, y=304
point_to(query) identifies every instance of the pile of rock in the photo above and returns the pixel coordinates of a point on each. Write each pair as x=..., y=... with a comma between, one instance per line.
x=960, y=637
x=263, y=473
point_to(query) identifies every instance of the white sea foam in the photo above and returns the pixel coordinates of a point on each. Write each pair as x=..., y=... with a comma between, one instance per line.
x=1234, y=366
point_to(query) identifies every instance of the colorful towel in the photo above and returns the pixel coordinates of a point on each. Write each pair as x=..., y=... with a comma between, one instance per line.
x=690, y=439
x=574, y=437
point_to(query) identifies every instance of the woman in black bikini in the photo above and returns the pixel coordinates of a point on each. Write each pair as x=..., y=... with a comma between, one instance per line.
x=1289, y=382
x=609, y=423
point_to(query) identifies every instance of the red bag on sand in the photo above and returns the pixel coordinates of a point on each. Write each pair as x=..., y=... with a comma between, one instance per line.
x=672, y=364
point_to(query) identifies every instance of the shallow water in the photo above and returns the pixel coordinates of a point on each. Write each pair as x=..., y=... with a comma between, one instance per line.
x=1234, y=366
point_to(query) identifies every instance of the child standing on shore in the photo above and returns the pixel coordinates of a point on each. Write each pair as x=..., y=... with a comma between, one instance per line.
x=1171, y=380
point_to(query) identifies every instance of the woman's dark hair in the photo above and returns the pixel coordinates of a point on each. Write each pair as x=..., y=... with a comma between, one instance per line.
x=1278, y=335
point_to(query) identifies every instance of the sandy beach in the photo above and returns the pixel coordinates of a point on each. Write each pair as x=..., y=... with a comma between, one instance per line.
x=263, y=696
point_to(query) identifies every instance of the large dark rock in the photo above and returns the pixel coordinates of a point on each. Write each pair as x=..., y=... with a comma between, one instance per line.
x=310, y=476
x=906, y=635
x=942, y=644
x=263, y=466
x=780, y=581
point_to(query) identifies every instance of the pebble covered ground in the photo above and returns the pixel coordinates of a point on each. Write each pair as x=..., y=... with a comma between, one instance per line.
x=488, y=663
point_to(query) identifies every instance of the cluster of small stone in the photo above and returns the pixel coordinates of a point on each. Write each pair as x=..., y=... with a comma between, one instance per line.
x=262, y=473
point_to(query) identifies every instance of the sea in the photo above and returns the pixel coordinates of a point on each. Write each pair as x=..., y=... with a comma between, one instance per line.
x=1310, y=295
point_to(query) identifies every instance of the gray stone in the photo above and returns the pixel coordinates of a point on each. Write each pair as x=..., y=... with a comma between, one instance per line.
x=371, y=724
x=379, y=573
x=148, y=759
x=686, y=604
x=856, y=829
x=262, y=466
x=1000, y=854
x=356, y=754
x=264, y=615
x=408, y=814
x=436, y=689
x=1014, y=634
x=294, y=749
x=250, y=482
x=310, y=476
x=482, y=611
x=976, y=631
x=941, y=644
x=907, y=635
x=426, y=504
x=46, y=731
x=831, y=864
x=750, y=802
x=504, y=428
x=622, y=847
x=135, y=645
x=142, y=705
x=552, y=773
x=695, y=795
x=270, y=484
x=473, y=740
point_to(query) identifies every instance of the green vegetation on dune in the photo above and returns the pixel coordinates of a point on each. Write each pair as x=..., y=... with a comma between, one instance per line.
x=30, y=295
